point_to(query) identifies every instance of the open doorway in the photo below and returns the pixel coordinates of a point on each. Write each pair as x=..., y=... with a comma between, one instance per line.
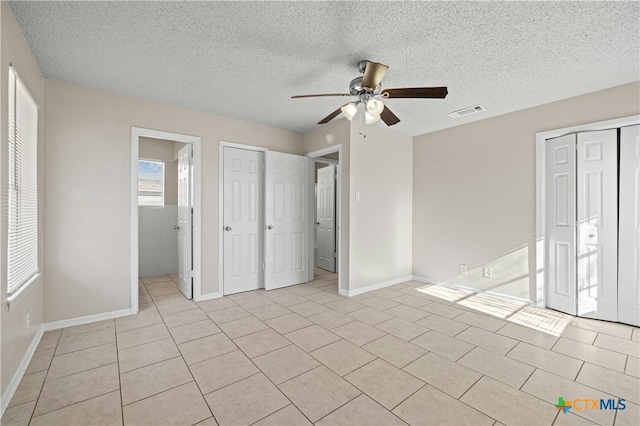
x=165, y=217
x=327, y=224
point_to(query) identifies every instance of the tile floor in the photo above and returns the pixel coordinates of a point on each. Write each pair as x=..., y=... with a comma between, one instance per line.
x=410, y=353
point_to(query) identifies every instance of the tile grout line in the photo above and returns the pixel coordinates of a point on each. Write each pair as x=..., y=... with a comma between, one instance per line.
x=44, y=381
x=184, y=361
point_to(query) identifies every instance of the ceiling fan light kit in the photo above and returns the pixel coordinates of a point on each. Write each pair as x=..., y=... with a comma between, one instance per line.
x=368, y=91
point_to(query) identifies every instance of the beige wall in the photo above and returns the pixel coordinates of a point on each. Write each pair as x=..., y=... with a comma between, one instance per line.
x=474, y=191
x=315, y=141
x=380, y=223
x=87, y=190
x=163, y=150
x=15, y=337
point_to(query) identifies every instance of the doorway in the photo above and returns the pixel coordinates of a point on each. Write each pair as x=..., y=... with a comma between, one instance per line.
x=590, y=240
x=326, y=235
x=165, y=211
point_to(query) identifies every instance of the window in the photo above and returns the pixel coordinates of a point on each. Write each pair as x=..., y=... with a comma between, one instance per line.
x=22, y=205
x=150, y=183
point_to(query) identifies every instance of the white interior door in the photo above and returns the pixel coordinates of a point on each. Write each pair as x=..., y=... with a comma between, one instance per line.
x=560, y=221
x=597, y=216
x=629, y=227
x=326, y=218
x=185, y=229
x=243, y=220
x=287, y=220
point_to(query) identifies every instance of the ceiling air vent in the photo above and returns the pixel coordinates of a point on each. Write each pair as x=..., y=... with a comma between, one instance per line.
x=466, y=111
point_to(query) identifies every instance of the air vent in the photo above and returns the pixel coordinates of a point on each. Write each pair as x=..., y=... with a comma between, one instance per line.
x=466, y=111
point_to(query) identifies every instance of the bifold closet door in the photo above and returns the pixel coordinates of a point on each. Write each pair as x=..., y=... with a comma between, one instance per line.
x=243, y=226
x=560, y=223
x=629, y=240
x=287, y=216
x=597, y=224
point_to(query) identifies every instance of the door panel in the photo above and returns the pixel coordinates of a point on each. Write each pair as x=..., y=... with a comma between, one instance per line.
x=185, y=230
x=325, y=205
x=286, y=219
x=560, y=222
x=629, y=239
x=242, y=219
x=597, y=216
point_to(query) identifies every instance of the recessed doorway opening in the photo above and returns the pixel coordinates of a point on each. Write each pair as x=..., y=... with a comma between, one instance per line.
x=165, y=215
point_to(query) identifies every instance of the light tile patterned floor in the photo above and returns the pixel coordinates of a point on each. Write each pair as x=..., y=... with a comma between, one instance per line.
x=410, y=353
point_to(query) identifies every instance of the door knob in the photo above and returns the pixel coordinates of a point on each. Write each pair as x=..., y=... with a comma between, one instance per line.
x=176, y=227
x=270, y=227
x=227, y=228
x=317, y=223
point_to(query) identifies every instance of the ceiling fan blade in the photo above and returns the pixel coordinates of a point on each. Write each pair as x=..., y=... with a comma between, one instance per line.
x=388, y=117
x=416, y=92
x=318, y=96
x=331, y=116
x=373, y=75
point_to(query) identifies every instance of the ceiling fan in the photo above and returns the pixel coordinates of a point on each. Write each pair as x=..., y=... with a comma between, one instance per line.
x=368, y=91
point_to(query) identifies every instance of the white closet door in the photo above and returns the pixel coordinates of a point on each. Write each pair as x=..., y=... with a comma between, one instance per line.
x=185, y=229
x=286, y=219
x=560, y=221
x=597, y=216
x=243, y=220
x=629, y=240
x=326, y=217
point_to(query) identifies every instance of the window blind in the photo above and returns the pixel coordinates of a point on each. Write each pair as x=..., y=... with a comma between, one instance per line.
x=22, y=230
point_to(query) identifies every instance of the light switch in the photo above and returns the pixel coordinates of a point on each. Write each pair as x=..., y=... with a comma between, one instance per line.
x=357, y=196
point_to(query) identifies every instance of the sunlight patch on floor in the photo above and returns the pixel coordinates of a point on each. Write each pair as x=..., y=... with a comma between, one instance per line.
x=445, y=293
x=544, y=320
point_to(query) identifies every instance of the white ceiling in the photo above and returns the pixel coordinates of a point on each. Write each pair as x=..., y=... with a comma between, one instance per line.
x=246, y=59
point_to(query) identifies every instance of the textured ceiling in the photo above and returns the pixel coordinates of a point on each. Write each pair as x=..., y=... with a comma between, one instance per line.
x=246, y=59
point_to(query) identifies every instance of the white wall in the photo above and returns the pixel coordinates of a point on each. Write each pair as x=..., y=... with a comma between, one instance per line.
x=474, y=191
x=157, y=241
x=87, y=190
x=380, y=223
x=15, y=337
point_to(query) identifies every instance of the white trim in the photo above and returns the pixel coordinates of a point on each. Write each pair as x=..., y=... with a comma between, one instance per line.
x=221, y=146
x=196, y=141
x=539, y=239
x=314, y=155
x=56, y=325
x=378, y=286
x=22, y=368
x=473, y=290
x=210, y=296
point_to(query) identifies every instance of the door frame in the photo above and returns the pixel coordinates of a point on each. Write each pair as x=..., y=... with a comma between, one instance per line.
x=537, y=256
x=221, y=146
x=196, y=254
x=314, y=155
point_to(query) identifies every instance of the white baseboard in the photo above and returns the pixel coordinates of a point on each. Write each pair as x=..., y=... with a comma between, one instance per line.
x=372, y=287
x=17, y=377
x=55, y=325
x=474, y=290
x=208, y=296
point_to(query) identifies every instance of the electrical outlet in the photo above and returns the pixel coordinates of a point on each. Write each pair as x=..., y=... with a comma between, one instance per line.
x=487, y=272
x=463, y=268
x=357, y=195
x=28, y=318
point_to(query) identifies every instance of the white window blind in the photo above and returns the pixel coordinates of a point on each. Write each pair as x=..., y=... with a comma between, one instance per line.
x=22, y=243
